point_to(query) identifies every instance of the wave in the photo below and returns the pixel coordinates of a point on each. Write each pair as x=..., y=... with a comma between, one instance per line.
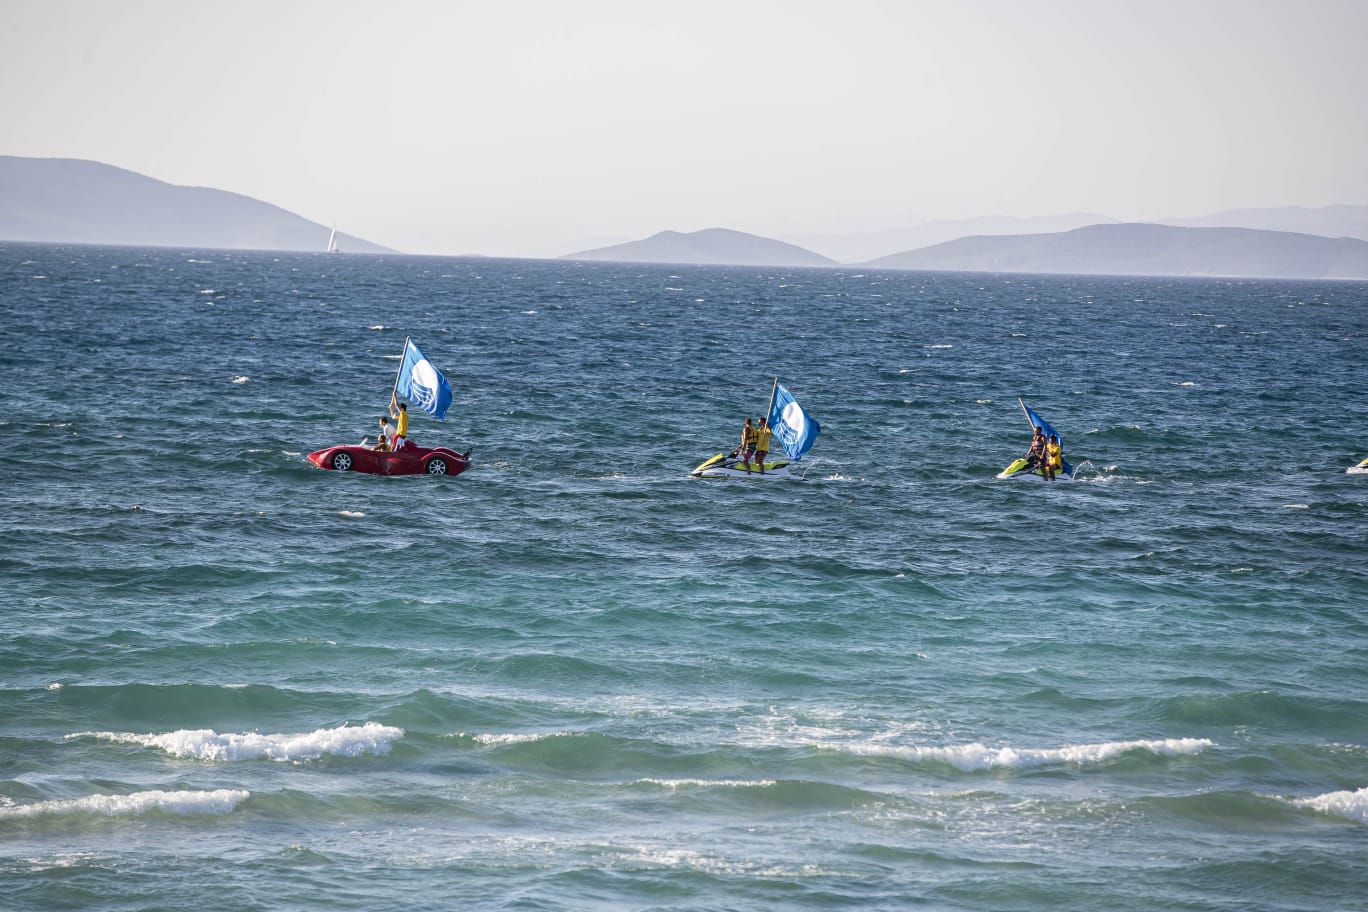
x=186, y=803
x=206, y=744
x=1349, y=805
x=977, y=757
x=677, y=784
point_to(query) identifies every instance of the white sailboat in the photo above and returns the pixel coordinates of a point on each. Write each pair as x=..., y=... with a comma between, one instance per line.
x=332, y=241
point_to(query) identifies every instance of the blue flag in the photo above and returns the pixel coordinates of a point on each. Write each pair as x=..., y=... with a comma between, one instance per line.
x=795, y=430
x=421, y=383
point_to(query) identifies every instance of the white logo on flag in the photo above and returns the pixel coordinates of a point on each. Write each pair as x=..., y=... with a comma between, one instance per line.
x=423, y=380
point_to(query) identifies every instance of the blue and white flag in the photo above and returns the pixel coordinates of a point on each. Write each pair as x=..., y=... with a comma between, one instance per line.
x=787, y=420
x=421, y=383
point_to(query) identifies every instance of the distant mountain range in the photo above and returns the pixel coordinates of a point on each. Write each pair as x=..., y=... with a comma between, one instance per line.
x=864, y=247
x=712, y=246
x=1115, y=248
x=66, y=200
x=1148, y=249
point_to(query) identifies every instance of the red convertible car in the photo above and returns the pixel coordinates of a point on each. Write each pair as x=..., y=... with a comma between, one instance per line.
x=407, y=460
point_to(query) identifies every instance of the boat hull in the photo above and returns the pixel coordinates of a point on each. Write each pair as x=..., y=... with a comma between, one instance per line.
x=1021, y=470
x=1360, y=469
x=726, y=466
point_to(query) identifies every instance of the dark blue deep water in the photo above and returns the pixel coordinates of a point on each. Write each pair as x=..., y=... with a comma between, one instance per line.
x=574, y=678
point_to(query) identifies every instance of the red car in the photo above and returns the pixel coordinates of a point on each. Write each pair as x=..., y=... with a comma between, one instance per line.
x=407, y=460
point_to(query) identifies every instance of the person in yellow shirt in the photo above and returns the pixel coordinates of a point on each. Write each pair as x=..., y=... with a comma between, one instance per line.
x=400, y=417
x=762, y=443
x=1054, y=459
x=747, y=444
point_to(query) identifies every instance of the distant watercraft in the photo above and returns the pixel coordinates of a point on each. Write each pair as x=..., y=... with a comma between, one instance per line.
x=332, y=241
x=1026, y=467
x=1360, y=469
x=788, y=424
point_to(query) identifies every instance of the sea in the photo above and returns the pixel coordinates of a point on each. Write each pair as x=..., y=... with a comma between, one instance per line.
x=575, y=678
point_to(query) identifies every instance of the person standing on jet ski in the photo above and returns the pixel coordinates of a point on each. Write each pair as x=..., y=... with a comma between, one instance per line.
x=747, y=444
x=762, y=443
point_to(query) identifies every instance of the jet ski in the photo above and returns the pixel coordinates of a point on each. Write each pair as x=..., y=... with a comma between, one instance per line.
x=1025, y=468
x=730, y=465
x=1360, y=469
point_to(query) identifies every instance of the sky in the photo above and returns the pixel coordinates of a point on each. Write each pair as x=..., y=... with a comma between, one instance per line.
x=533, y=128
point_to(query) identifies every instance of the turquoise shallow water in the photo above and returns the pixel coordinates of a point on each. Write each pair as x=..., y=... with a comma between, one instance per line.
x=574, y=678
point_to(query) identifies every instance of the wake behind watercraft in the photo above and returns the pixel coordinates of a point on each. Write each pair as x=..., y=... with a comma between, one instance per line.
x=1031, y=466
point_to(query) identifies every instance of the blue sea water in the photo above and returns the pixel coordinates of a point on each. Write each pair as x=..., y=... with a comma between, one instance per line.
x=575, y=678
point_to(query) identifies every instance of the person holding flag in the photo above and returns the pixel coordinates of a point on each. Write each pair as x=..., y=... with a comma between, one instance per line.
x=400, y=416
x=762, y=444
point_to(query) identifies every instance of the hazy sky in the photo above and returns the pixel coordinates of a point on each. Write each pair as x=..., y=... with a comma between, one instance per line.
x=537, y=128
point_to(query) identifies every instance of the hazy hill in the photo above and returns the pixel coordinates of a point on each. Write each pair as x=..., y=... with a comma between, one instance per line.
x=711, y=246
x=1327, y=221
x=862, y=246
x=67, y=200
x=1148, y=249
x=859, y=247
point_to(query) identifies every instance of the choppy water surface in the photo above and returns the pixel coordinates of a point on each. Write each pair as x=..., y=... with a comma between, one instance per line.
x=574, y=678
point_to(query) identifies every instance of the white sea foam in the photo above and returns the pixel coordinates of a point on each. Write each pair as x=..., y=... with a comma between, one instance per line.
x=242, y=379
x=492, y=739
x=708, y=783
x=218, y=801
x=206, y=744
x=1349, y=805
x=378, y=326
x=973, y=757
x=55, y=685
x=351, y=514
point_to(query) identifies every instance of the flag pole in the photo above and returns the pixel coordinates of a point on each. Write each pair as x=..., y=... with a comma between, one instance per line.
x=1026, y=413
x=773, y=390
x=394, y=393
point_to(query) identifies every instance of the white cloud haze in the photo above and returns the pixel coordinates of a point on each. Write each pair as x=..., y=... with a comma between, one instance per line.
x=536, y=128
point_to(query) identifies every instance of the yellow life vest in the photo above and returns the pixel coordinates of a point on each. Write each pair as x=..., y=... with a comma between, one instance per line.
x=762, y=438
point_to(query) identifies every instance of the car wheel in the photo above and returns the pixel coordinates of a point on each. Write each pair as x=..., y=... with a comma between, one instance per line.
x=342, y=461
x=437, y=466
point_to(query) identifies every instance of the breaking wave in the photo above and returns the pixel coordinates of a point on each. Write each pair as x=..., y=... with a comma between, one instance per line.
x=974, y=757
x=218, y=801
x=206, y=744
x=1349, y=805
